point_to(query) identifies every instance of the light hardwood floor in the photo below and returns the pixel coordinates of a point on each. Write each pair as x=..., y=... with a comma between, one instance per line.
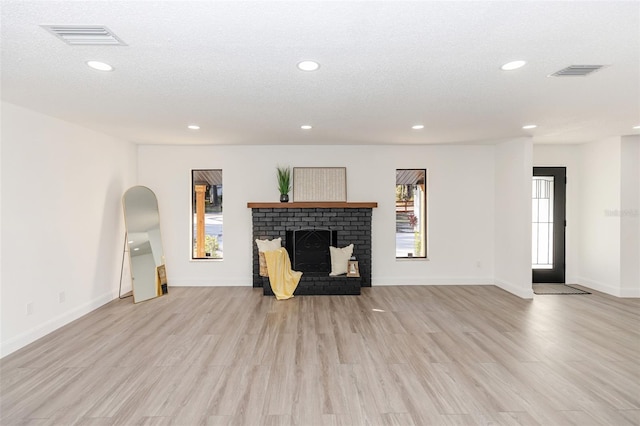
x=441, y=355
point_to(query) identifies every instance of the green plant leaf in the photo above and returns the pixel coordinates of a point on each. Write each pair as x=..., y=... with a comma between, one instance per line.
x=284, y=179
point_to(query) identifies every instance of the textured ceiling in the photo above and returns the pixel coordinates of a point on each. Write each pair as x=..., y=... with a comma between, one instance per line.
x=231, y=68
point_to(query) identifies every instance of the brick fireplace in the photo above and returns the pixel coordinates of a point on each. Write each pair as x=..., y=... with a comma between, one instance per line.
x=350, y=223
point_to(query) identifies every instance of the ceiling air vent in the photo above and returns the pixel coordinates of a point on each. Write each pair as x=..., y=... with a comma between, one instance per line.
x=85, y=35
x=577, y=70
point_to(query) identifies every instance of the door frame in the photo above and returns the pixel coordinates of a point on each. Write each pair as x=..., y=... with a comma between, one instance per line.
x=558, y=273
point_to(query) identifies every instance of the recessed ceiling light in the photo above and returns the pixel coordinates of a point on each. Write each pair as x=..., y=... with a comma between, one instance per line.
x=100, y=66
x=636, y=127
x=418, y=127
x=529, y=126
x=308, y=65
x=513, y=65
x=193, y=127
x=306, y=127
x=131, y=242
x=136, y=249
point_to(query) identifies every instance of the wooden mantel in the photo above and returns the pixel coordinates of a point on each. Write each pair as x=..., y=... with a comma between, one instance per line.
x=313, y=205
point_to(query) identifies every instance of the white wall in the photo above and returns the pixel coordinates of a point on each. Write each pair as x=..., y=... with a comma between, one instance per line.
x=600, y=226
x=568, y=156
x=513, y=171
x=62, y=222
x=603, y=224
x=460, y=206
x=630, y=217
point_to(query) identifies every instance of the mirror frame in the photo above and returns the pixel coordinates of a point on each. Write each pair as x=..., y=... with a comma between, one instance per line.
x=143, y=235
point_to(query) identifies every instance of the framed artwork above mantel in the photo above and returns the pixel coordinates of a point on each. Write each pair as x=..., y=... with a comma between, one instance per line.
x=321, y=184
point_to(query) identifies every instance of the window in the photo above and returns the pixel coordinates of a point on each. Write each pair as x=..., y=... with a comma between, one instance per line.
x=411, y=217
x=206, y=214
x=542, y=223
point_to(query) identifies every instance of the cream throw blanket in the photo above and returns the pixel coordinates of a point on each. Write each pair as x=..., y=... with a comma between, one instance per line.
x=283, y=280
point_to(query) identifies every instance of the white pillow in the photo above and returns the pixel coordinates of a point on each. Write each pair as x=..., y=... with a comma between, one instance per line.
x=340, y=259
x=269, y=245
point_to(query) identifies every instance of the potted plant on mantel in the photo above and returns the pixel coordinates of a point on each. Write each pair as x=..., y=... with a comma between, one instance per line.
x=284, y=183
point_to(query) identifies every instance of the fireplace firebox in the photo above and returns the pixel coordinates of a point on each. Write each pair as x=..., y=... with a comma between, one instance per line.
x=309, y=249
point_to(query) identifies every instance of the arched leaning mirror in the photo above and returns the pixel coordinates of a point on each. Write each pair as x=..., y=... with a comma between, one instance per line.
x=146, y=257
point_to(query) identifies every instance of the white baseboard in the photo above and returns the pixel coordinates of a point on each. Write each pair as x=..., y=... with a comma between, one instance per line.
x=53, y=324
x=213, y=282
x=630, y=292
x=608, y=289
x=387, y=281
x=523, y=292
x=384, y=281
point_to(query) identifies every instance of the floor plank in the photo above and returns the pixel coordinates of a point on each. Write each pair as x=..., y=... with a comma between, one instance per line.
x=414, y=355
